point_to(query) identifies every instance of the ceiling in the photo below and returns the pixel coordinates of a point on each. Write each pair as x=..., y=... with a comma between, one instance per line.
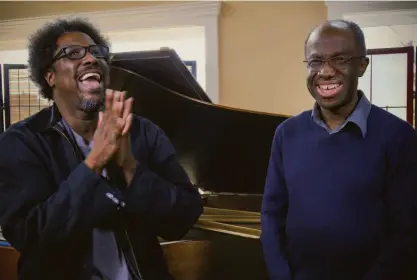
x=386, y=24
x=337, y=9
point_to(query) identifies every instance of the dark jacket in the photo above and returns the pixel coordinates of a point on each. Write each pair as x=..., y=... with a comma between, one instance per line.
x=50, y=201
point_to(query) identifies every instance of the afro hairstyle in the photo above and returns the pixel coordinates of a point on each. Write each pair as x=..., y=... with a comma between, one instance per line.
x=42, y=47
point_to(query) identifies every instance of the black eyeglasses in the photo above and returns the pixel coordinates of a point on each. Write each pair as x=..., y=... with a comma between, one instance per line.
x=78, y=52
x=338, y=62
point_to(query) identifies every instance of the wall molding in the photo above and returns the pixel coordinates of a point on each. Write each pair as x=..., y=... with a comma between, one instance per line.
x=374, y=13
x=383, y=18
x=204, y=13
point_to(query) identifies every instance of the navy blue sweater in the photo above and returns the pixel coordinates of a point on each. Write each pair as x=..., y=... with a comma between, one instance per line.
x=341, y=206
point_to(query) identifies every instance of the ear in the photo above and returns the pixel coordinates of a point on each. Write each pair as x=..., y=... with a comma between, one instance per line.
x=50, y=78
x=363, y=65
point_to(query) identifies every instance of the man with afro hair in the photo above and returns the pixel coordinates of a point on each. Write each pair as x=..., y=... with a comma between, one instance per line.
x=86, y=187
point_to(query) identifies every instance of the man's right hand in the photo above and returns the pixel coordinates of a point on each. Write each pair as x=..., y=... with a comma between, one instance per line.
x=107, y=135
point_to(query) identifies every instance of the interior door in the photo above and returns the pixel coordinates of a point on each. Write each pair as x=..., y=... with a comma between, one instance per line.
x=21, y=95
x=389, y=81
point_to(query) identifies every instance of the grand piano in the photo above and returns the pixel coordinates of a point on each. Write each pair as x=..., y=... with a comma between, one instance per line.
x=224, y=150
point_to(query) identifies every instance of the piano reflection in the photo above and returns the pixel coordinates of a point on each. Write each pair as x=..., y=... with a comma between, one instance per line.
x=225, y=152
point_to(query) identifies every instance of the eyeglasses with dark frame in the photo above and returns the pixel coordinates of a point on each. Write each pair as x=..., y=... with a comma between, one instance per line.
x=338, y=62
x=75, y=52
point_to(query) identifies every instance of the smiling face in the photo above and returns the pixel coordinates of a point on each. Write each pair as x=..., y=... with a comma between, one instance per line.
x=334, y=84
x=78, y=83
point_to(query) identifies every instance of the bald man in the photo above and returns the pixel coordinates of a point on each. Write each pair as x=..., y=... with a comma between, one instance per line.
x=341, y=190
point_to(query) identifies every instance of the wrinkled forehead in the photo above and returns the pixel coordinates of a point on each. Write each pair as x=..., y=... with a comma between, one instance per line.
x=74, y=38
x=330, y=42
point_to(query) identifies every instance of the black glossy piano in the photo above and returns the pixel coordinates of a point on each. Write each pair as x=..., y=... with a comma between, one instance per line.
x=225, y=152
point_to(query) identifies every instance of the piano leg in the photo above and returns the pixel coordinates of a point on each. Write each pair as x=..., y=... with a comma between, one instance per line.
x=8, y=263
x=187, y=259
x=229, y=257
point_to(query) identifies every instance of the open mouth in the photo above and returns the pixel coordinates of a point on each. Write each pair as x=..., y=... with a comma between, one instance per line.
x=90, y=81
x=329, y=90
x=90, y=77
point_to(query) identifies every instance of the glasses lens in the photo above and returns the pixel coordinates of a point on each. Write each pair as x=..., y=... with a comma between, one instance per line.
x=99, y=51
x=74, y=52
x=315, y=64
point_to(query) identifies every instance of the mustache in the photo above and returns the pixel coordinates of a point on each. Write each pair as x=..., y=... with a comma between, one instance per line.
x=101, y=68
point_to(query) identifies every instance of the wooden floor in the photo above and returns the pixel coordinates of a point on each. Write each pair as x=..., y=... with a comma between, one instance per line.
x=8, y=263
x=193, y=252
x=224, y=244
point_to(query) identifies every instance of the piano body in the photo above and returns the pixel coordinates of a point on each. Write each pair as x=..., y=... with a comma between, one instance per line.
x=225, y=151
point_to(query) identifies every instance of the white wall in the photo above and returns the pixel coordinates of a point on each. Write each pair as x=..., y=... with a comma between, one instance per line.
x=14, y=57
x=393, y=36
x=188, y=42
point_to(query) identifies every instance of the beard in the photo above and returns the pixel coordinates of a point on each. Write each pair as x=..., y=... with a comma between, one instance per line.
x=91, y=104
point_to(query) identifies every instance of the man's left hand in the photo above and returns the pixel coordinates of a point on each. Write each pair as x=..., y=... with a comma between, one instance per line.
x=124, y=157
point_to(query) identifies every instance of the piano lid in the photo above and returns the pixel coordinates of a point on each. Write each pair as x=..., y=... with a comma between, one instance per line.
x=222, y=149
x=163, y=66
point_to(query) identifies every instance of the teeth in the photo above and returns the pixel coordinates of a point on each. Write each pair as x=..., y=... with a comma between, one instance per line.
x=331, y=86
x=89, y=75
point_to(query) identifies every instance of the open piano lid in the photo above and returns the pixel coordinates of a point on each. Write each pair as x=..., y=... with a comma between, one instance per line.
x=223, y=150
x=165, y=67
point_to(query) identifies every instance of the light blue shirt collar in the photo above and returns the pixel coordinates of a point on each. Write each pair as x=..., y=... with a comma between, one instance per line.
x=359, y=116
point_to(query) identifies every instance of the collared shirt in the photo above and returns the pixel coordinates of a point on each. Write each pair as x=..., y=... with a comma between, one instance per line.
x=359, y=116
x=109, y=262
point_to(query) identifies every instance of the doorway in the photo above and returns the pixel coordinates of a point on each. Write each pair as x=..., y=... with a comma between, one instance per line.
x=389, y=81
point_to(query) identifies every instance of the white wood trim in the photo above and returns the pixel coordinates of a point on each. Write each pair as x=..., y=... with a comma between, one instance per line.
x=374, y=13
x=212, y=53
x=383, y=18
x=204, y=13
